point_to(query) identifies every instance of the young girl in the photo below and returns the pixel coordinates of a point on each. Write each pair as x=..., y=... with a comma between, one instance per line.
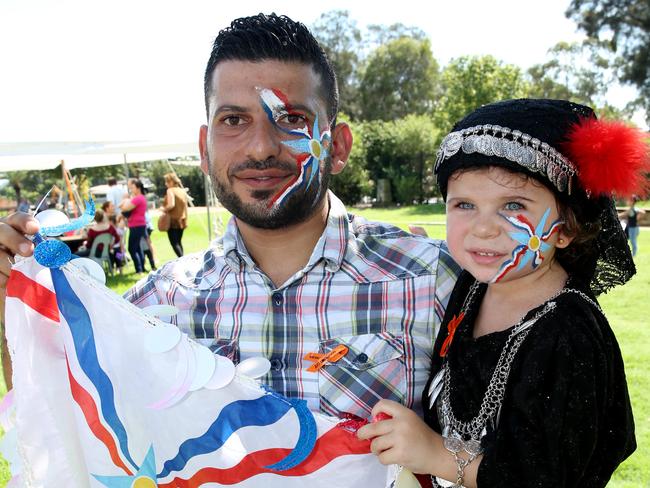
x=527, y=387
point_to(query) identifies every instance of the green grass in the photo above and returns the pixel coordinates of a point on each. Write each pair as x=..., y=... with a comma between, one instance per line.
x=627, y=307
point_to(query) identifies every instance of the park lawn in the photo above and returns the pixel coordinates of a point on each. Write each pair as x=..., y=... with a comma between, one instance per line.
x=627, y=308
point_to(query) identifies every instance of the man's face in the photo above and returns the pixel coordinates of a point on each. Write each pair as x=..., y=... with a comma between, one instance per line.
x=261, y=118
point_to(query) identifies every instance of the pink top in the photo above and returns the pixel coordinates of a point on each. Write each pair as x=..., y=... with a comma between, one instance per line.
x=136, y=219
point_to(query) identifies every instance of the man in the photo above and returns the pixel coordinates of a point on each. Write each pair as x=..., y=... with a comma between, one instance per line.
x=345, y=310
x=115, y=194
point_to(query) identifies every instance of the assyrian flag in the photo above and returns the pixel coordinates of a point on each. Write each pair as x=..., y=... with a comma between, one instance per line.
x=95, y=407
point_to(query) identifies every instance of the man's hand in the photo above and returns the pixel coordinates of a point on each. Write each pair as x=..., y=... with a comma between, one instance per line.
x=12, y=241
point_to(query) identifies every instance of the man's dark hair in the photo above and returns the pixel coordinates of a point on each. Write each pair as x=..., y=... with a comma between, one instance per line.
x=112, y=181
x=271, y=37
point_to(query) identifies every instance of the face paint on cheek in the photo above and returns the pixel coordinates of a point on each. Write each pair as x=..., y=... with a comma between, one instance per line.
x=531, y=243
x=310, y=148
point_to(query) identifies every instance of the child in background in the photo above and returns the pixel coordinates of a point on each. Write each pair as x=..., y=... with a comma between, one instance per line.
x=527, y=386
x=147, y=245
x=119, y=249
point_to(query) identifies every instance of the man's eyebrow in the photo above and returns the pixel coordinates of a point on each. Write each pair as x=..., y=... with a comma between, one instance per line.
x=301, y=107
x=230, y=108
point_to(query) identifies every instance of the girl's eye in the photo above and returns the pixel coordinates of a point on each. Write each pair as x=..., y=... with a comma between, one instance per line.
x=465, y=205
x=513, y=206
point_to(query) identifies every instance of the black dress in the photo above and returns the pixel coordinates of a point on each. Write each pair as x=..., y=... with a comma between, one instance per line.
x=566, y=419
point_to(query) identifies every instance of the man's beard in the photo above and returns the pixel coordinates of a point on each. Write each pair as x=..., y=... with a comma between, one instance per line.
x=294, y=209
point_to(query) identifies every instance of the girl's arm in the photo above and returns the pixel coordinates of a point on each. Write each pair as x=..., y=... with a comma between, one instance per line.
x=406, y=440
x=127, y=204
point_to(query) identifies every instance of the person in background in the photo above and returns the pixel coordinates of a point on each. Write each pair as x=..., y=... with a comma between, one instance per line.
x=108, y=208
x=136, y=205
x=147, y=248
x=527, y=385
x=175, y=204
x=630, y=217
x=101, y=225
x=115, y=194
x=119, y=250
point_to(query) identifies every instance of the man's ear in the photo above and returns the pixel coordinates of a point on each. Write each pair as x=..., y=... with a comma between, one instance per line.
x=341, y=146
x=203, y=149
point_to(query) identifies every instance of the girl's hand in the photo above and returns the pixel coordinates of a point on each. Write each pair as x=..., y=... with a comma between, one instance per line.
x=403, y=439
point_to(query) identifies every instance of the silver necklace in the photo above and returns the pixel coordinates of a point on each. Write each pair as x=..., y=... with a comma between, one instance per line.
x=466, y=436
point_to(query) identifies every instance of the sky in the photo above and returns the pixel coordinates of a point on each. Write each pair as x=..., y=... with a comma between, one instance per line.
x=83, y=70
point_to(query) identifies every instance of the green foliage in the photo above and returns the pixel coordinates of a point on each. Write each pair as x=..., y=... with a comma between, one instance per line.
x=402, y=150
x=342, y=42
x=400, y=78
x=580, y=72
x=353, y=183
x=624, y=27
x=378, y=34
x=471, y=81
x=33, y=185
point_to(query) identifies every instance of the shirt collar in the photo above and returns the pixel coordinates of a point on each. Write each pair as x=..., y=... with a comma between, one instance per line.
x=331, y=245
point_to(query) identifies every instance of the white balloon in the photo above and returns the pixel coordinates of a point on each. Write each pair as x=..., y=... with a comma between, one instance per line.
x=223, y=373
x=91, y=268
x=162, y=338
x=254, y=367
x=205, y=366
x=51, y=218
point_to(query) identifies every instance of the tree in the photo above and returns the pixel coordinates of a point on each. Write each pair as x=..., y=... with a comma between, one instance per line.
x=402, y=151
x=341, y=40
x=400, y=78
x=378, y=34
x=353, y=183
x=576, y=72
x=624, y=25
x=471, y=81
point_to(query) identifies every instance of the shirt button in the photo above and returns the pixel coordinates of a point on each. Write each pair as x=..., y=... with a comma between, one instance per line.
x=276, y=364
x=277, y=299
x=362, y=358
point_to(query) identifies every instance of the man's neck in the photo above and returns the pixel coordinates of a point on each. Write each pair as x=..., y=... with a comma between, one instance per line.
x=281, y=253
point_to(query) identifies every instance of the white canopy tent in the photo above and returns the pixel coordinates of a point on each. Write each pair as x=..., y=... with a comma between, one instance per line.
x=28, y=156
x=21, y=156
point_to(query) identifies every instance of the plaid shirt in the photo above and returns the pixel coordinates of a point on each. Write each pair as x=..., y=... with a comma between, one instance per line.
x=372, y=287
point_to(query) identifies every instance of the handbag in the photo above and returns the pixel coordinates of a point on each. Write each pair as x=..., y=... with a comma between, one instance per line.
x=163, y=222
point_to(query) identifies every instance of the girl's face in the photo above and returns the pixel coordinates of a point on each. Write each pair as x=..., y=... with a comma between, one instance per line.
x=500, y=225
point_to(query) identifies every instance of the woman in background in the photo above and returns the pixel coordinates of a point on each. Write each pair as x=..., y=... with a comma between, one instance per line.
x=137, y=206
x=175, y=204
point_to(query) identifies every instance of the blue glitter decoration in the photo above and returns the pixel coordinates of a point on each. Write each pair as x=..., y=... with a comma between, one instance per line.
x=306, y=440
x=52, y=253
x=78, y=223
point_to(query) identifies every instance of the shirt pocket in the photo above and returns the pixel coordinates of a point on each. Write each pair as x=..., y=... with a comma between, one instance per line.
x=372, y=369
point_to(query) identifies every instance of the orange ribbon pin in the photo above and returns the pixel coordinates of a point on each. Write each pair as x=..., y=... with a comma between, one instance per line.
x=319, y=359
x=451, y=330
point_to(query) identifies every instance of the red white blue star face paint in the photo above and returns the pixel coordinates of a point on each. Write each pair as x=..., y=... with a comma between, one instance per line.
x=532, y=243
x=500, y=226
x=310, y=146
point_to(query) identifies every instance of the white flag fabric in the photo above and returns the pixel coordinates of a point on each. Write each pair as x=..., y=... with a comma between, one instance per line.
x=105, y=395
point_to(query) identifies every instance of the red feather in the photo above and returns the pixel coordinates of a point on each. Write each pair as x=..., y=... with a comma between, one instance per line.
x=611, y=157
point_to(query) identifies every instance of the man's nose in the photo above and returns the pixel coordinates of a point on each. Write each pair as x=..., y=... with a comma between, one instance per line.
x=265, y=141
